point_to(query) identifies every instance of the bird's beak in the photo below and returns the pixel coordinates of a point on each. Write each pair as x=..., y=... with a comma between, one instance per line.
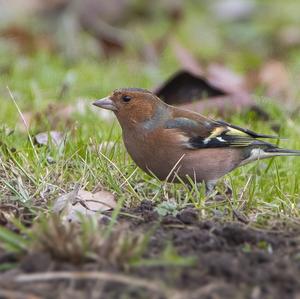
x=106, y=103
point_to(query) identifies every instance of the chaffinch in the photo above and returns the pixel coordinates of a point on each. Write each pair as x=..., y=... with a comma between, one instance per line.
x=174, y=144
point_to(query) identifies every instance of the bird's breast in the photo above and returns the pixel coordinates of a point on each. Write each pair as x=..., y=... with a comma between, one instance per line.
x=165, y=156
x=152, y=152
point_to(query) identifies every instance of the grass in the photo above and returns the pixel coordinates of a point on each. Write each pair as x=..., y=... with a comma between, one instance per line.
x=27, y=177
x=77, y=244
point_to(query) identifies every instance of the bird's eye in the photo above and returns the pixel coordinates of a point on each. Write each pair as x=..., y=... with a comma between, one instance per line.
x=126, y=98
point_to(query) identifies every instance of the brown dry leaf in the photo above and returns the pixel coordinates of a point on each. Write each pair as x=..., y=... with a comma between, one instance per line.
x=289, y=36
x=8, y=212
x=275, y=78
x=233, y=10
x=217, y=75
x=224, y=105
x=55, y=137
x=85, y=203
x=215, y=89
x=189, y=91
x=225, y=79
x=53, y=116
x=184, y=87
x=26, y=41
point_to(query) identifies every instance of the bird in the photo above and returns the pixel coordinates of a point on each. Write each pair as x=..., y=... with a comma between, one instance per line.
x=177, y=145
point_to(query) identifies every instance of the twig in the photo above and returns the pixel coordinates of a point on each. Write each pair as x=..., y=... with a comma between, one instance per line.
x=17, y=295
x=103, y=276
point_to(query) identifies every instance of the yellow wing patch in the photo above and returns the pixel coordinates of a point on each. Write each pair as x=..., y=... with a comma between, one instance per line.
x=235, y=132
x=215, y=133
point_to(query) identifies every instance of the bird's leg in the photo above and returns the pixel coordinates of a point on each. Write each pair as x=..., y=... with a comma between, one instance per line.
x=209, y=187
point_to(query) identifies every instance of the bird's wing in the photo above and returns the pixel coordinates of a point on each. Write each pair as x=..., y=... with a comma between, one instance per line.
x=207, y=133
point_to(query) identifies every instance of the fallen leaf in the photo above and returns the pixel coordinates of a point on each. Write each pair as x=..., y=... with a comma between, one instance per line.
x=8, y=212
x=275, y=78
x=233, y=10
x=53, y=116
x=185, y=87
x=225, y=105
x=55, y=137
x=225, y=79
x=197, y=93
x=85, y=203
x=217, y=75
x=26, y=41
x=215, y=89
x=289, y=36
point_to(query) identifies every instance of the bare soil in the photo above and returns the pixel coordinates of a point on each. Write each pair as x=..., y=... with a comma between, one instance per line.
x=232, y=260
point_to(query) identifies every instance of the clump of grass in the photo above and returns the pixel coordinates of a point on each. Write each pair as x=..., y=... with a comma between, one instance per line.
x=77, y=243
x=88, y=241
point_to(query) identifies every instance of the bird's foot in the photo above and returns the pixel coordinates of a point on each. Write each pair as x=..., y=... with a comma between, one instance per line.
x=213, y=195
x=210, y=188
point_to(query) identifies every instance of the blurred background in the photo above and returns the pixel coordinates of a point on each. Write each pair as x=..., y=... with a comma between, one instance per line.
x=56, y=50
x=218, y=29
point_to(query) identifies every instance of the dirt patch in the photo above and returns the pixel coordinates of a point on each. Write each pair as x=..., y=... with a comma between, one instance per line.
x=231, y=260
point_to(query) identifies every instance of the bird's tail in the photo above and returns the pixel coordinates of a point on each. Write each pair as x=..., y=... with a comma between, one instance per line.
x=268, y=152
x=276, y=151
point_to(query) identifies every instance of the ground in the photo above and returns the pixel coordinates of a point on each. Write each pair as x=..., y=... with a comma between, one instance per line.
x=230, y=260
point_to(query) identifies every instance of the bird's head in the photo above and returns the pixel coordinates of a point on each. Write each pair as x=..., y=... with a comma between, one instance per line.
x=131, y=105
